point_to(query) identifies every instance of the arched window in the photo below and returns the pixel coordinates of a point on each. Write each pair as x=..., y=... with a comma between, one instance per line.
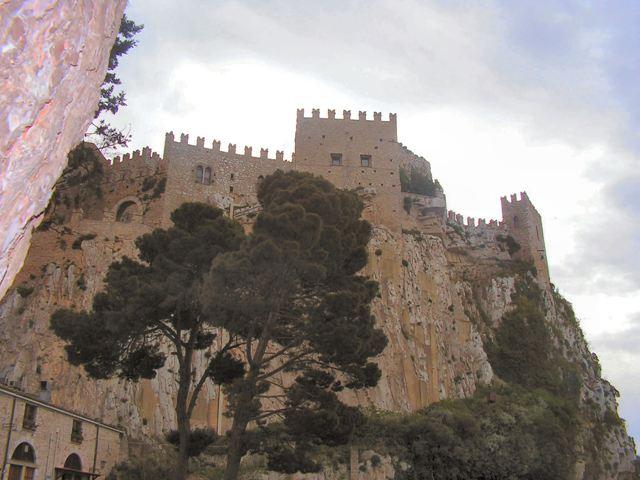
x=72, y=469
x=260, y=178
x=126, y=211
x=73, y=462
x=22, y=464
x=207, y=176
x=516, y=221
x=199, y=174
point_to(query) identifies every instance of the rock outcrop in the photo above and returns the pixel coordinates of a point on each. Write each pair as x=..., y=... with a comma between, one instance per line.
x=54, y=59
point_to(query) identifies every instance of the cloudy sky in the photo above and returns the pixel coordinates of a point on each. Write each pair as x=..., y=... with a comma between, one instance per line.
x=500, y=96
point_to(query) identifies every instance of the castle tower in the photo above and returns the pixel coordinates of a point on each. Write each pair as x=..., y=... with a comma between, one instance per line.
x=349, y=152
x=524, y=223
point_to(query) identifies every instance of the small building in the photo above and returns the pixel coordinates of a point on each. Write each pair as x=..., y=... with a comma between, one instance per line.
x=40, y=441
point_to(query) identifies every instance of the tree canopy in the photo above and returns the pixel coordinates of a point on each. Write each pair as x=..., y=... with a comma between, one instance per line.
x=148, y=305
x=294, y=294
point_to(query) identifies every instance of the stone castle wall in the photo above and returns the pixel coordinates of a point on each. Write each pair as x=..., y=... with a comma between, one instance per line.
x=233, y=176
x=524, y=223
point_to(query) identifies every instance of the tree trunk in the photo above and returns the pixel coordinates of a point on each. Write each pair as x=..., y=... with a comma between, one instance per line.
x=184, y=429
x=235, y=450
x=241, y=418
x=184, y=424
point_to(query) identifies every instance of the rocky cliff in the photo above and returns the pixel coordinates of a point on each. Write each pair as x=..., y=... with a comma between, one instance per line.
x=444, y=293
x=54, y=59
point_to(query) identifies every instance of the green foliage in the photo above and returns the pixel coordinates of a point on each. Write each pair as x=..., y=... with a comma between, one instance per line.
x=148, y=183
x=524, y=435
x=418, y=182
x=85, y=168
x=457, y=228
x=406, y=204
x=511, y=244
x=612, y=419
x=106, y=135
x=159, y=188
x=145, y=467
x=146, y=306
x=81, y=282
x=77, y=243
x=24, y=291
x=293, y=294
x=523, y=350
x=199, y=440
x=144, y=303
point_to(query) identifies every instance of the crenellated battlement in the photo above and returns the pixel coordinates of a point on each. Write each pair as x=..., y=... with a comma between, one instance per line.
x=130, y=160
x=481, y=224
x=216, y=146
x=346, y=115
x=514, y=201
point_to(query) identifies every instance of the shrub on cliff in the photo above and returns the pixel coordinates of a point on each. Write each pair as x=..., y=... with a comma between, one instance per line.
x=523, y=434
x=418, y=182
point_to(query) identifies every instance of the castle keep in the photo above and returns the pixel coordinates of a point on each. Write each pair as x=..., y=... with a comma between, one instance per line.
x=355, y=153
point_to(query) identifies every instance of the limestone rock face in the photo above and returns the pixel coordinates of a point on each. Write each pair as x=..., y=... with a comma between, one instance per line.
x=54, y=58
x=444, y=290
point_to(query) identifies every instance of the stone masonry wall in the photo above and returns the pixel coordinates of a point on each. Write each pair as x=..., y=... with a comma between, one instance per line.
x=525, y=224
x=99, y=448
x=233, y=178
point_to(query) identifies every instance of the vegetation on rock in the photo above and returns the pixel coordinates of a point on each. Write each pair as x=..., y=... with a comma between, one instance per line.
x=418, y=182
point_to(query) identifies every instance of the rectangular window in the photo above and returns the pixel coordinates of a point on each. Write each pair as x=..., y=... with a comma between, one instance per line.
x=365, y=160
x=76, y=431
x=15, y=472
x=29, y=419
x=336, y=159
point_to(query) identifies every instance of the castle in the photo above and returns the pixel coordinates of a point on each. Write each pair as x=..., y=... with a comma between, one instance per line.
x=445, y=283
x=353, y=153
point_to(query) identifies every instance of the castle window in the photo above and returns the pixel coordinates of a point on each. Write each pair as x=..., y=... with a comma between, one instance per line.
x=365, y=160
x=76, y=431
x=207, y=176
x=336, y=159
x=231, y=189
x=232, y=176
x=29, y=418
x=199, y=174
x=516, y=221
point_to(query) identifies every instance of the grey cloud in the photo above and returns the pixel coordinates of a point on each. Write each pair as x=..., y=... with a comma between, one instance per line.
x=627, y=340
x=542, y=66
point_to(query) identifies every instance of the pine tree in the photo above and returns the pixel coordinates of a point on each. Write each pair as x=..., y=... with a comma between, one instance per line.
x=294, y=296
x=151, y=308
